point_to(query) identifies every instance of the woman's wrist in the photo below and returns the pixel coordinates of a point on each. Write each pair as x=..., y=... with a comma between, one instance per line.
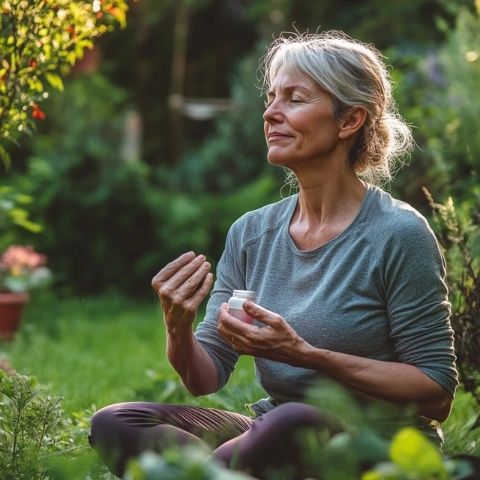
x=309, y=356
x=180, y=333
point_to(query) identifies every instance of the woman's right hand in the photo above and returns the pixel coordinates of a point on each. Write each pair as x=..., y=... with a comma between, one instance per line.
x=182, y=285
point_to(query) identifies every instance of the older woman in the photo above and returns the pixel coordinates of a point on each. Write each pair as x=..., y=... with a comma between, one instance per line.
x=350, y=282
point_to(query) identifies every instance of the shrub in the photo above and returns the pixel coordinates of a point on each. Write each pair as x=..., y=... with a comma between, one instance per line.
x=30, y=423
x=39, y=41
x=14, y=215
x=437, y=92
x=37, y=440
x=180, y=464
x=460, y=239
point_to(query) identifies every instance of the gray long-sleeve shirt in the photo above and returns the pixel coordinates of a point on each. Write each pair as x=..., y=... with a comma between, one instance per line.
x=377, y=290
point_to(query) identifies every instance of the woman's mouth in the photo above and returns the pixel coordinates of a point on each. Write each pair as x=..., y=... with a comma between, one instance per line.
x=276, y=136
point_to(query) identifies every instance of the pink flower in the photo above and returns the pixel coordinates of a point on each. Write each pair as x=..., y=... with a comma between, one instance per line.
x=21, y=259
x=22, y=268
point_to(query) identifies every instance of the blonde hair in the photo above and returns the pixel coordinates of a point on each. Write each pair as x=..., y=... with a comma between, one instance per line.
x=355, y=74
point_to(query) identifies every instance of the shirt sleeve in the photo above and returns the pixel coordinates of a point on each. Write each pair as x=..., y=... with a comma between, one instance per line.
x=229, y=277
x=417, y=302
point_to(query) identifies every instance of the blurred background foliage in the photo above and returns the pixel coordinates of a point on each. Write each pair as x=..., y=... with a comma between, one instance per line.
x=155, y=145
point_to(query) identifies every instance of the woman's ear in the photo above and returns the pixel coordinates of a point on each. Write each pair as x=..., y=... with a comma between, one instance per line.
x=351, y=122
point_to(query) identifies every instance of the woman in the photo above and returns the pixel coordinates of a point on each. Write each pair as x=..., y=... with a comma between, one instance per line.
x=349, y=281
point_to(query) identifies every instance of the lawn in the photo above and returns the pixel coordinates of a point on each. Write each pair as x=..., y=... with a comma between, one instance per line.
x=97, y=351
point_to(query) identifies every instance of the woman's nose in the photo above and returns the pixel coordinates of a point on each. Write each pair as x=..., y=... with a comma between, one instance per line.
x=272, y=113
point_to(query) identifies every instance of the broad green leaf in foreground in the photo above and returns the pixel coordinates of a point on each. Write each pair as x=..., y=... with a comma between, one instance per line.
x=415, y=454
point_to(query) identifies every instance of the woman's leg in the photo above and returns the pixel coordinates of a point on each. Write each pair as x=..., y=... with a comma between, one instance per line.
x=274, y=442
x=124, y=430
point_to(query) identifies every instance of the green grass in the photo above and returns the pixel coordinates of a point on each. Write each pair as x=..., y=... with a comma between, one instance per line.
x=98, y=351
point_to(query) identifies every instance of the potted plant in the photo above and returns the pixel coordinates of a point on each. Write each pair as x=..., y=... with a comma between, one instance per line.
x=21, y=269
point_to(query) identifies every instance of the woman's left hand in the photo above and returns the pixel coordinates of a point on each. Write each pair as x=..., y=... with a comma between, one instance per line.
x=276, y=341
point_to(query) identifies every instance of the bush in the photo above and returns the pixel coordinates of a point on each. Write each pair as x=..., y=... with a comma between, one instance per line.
x=460, y=239
x=30, y=423
x=14, y=216
x=39, y=42
x=37, y=440
x=437, y=92
x=180, y=464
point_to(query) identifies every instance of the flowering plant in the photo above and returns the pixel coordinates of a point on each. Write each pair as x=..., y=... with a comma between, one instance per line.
x=22, y=268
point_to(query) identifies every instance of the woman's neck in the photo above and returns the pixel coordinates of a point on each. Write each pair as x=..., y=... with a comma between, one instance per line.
x=326, y=200
x=326, y=207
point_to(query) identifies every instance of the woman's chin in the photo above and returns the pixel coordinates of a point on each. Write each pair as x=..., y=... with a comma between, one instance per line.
x=278, y=160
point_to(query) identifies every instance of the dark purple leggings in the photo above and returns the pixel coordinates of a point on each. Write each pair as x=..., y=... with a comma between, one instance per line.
x=268, y=443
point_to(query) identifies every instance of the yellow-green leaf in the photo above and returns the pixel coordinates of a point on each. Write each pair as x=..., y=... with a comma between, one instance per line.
x=5, y=158
x=372, y=475
x=28, y=225
x=54, y=80
x=415, y=454
x=23, y=198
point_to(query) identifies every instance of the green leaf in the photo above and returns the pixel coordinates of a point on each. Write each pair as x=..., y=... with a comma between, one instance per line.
x=384, y=471
x=23, y=198
x=55, y=81
x=20, y=217
x=28, y=225
x=415, y=454
x=5, y=158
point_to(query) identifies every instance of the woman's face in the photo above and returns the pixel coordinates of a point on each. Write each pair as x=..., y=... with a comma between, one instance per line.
x=299, y=122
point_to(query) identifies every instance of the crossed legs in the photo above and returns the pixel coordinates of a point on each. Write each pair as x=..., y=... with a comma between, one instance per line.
x=271, y=442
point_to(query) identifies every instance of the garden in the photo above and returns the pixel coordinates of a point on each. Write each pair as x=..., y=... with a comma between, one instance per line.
x=131, y=132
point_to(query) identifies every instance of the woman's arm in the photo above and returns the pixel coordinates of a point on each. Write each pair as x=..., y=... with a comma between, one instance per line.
x=193, y=364
x=398, y=383
x=182, y=286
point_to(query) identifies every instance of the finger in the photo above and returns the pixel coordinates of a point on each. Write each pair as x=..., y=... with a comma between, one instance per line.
x=191, y=284
x=202, y=292
x=181, y=275
x=171, y=268
x=260, y=313
x=229, y=325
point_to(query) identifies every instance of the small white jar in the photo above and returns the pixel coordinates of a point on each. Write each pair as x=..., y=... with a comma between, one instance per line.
x=235, y=305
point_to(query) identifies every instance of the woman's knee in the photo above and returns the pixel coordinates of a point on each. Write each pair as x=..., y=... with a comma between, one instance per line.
x=105, y=423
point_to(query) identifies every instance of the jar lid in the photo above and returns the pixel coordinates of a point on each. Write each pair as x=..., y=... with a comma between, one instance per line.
x=245, y=294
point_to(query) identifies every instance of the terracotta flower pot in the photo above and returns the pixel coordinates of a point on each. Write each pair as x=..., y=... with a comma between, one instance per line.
x=11, y=309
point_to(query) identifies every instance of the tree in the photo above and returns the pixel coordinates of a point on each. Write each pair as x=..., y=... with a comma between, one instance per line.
x=39, y=42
